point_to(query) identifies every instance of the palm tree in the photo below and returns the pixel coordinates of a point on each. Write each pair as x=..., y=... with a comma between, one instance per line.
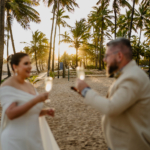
x=8, y=69
x=53, y=59
x=69, y=4
x=142, y=17
x=23, y=12
x=147, y=52
x=100, y=20
x=138, y=49
x=134, y=2
x=59, y=21
x=94, y=23
x=2, y=15
x=124, y=24
x=80, y=34
x=147, y=32
x=87, y=51
x=116, y=8
x=103, y=21
x=54, y=9
x=38, y=44
x=105, y=18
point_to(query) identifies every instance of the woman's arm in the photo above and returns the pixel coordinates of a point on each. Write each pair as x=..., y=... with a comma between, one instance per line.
x=14, y=111
x=49, y=112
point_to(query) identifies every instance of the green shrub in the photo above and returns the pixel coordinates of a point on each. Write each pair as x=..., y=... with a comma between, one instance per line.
x=88, y=73
x=32, y=79
x=2, y=81
x=90, y=67
x=52, y=74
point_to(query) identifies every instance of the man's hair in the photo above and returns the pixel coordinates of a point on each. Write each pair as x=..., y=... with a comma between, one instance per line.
x=124, y=46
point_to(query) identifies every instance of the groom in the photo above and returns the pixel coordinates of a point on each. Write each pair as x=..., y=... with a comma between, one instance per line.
x=126, y=120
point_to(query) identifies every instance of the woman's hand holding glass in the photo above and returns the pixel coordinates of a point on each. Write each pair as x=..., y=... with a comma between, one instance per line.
x=48, y=87
x=42, y=97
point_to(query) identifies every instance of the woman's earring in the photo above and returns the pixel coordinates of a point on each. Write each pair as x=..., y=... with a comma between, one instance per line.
x=16, y=74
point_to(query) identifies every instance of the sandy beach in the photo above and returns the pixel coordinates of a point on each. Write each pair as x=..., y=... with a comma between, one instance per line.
x=76, y=126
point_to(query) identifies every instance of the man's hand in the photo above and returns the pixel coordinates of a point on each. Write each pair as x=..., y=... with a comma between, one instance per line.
x=80, y=84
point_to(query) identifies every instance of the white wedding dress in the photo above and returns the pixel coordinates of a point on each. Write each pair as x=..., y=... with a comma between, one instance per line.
x=28, y=132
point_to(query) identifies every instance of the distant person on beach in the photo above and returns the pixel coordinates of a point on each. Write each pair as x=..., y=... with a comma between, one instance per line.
x=23, y=125
x=126, y=120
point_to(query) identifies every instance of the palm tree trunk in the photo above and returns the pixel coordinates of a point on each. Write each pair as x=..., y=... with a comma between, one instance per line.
x=58, y=45
x=49, y=58
x=40, y=65
x=139, y=47
x=101, y=47
x=149, y=67
x=95, y=51
x=54, y=42
x=97, y=47
x=8, y=69
x=95, y=54
x=2, y=15
x=76, y=57
x=131, y=19
x=86, y=61
x=115, y=12
x=103, y=65
x=59, y=51
x=140, y=37
x=36, y=62
x=64, y=70
x=11, y=35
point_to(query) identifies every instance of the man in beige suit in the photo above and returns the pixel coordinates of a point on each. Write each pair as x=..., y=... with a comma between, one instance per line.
x=126, y=121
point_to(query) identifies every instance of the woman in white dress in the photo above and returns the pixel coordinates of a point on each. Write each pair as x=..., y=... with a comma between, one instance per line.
x=23, y=125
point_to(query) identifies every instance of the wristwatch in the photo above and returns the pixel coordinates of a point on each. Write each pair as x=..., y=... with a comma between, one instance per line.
x=84, y=91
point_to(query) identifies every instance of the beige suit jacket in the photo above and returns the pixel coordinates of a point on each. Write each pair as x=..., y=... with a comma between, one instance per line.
x=126, y=121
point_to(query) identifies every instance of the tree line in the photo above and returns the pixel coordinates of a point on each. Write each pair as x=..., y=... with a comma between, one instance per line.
x=88, y=36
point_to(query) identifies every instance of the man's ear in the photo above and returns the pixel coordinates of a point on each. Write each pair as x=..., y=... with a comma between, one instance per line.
x=120, y=57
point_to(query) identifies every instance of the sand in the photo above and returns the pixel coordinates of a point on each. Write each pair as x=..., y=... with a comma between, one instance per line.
x=76, y=126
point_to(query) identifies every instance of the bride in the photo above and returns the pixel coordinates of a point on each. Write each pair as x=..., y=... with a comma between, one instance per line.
x=23, y=125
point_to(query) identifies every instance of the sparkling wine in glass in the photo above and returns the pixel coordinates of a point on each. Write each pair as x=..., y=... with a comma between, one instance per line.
x=80, y=73
x=48, y=86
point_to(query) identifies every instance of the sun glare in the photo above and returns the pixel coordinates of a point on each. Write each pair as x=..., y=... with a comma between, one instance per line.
x=65, y=47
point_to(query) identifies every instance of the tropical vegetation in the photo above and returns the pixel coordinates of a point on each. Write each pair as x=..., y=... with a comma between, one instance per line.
x=88, y=36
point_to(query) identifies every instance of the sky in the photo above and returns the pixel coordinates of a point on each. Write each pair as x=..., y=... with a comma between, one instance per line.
x=21, y=35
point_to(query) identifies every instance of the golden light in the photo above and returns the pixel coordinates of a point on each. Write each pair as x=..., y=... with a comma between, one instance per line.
x=48, y=83
x=48, y=86
x=80, y=73
x=65, y=47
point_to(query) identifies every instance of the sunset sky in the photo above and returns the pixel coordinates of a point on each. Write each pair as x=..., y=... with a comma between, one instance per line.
x=21, y=35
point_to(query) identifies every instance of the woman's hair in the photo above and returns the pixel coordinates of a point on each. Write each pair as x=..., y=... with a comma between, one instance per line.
x=16, y=58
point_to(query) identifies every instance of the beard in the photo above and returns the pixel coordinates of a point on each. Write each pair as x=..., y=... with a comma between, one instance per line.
x=110, y=70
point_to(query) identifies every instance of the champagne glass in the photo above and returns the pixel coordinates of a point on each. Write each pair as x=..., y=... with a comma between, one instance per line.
x=48, y=86
x=80, y=73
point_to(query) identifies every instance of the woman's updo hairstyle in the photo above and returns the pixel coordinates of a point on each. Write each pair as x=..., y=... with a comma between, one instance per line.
x=16, y=58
